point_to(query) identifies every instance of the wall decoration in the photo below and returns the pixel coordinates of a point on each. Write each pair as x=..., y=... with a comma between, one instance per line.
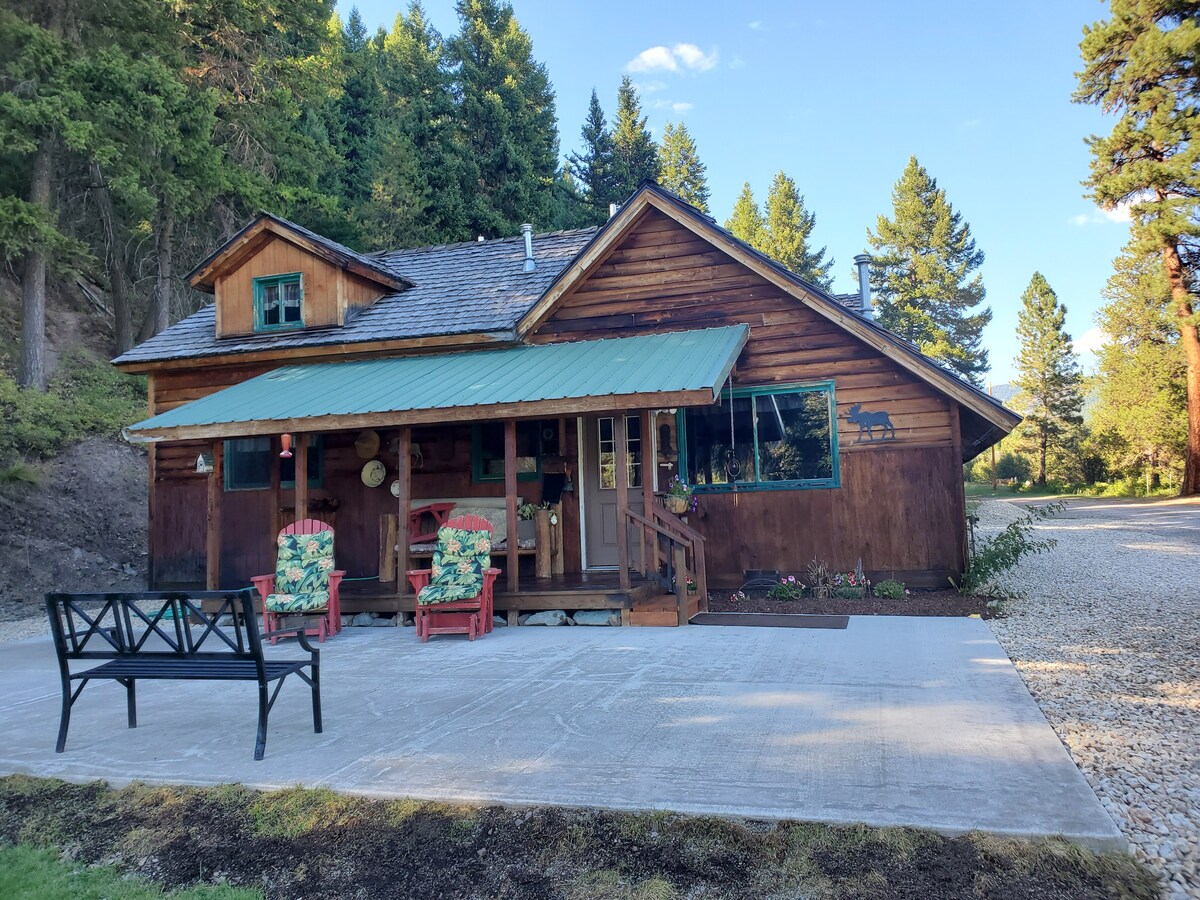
x=366, y=445
x=867, y=422
x=373, y=473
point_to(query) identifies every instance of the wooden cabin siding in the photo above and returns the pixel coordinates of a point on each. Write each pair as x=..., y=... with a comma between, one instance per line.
x=328, y=290
x=896, y=507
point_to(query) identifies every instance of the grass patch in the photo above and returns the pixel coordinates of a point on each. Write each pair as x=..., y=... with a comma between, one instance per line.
x=319, y=844
x=27, y=873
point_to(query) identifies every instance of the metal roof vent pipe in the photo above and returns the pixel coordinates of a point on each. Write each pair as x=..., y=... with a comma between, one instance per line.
x=527, y=233
x=864, y=284
x=612, y=209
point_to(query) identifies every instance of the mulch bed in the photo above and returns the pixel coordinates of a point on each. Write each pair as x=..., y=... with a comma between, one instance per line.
x=917, y=603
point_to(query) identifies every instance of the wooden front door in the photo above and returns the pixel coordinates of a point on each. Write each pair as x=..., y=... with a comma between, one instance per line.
x=599, y=486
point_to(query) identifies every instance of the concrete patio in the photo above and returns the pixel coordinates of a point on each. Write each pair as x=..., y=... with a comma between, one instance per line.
x=894, y=721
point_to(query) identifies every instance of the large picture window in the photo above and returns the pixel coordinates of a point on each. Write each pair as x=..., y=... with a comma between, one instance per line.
x=249, y=463
x=761, y=439
x=278, y=302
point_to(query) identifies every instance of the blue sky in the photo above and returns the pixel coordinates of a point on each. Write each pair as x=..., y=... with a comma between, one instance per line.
x=839, y=95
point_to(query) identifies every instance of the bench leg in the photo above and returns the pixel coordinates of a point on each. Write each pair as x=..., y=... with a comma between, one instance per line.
x=316, y=698
x=260, y=744
x=131, y=700
x=65, y=720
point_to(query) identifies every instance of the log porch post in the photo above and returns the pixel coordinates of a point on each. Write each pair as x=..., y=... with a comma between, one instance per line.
x=621, y=465
x=300, y=497
x=510, y=504
x=403, y=503
x=213, y=517
x=649, y=473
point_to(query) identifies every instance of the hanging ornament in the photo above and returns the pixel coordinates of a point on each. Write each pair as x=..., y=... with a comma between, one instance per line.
x=286, y=452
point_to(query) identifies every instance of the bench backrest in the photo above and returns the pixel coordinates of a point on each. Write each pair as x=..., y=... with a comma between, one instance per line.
x=154, y=623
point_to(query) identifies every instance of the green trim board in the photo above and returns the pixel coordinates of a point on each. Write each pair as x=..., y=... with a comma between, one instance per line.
x=680, y=368
x=261, y=285
x=758, y=484
x=235, y=480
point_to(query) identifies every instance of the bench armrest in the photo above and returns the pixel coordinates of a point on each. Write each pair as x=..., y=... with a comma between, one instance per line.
x=418, y=578
x=296, y=633
x=265, y=585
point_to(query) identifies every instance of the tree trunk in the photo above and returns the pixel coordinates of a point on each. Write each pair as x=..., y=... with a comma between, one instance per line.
x=159, y=316
x=1189, y=338
x=33, y=279
x=115, y=261
x=1041, y=476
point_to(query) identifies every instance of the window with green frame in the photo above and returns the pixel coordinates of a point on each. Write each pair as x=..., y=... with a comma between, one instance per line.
x=534, y=439
x=249, y=464
x=279, y=302
x=782, y=437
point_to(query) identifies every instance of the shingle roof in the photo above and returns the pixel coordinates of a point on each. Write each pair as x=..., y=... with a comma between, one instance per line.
x=457, y=289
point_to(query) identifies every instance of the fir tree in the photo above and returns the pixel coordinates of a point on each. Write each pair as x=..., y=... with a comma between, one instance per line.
x=1141, y=65
x=788, y=226
x=635, y=154
x=358, y=111
x=746, y=221
x=923, y=275
x=595, y=167
x=1047, y=373
x=506, y=119
x=681, y=171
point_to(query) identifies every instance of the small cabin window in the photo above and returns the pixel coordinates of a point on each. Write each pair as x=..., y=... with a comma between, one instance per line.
x=250, y=462
x=279, y=302
x=534, y=439
x=762, y=439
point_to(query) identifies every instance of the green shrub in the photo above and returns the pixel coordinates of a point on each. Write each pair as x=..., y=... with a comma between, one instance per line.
x=890, y=590
x=787, y=588
x=990, y=559
x=86, y=397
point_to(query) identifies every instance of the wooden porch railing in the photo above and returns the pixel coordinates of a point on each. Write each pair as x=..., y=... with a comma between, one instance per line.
x=666, y=543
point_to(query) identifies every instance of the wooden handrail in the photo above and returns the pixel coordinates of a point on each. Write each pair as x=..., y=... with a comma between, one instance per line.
x=677, y=538
x=681, y=538
x=660, y=512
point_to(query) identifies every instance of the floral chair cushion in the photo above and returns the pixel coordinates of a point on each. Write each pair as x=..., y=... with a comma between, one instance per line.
x=458, y=563
x=302, y=572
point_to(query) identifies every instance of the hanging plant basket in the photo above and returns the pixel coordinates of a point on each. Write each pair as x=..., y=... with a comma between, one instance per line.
x=676, y=504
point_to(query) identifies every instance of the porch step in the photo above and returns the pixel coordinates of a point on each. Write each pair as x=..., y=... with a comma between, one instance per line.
x=661, y=611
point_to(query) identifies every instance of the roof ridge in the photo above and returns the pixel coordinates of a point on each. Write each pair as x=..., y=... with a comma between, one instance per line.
x=453, y=245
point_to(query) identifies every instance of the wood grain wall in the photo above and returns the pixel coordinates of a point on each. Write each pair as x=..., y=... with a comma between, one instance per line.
x=329, y=292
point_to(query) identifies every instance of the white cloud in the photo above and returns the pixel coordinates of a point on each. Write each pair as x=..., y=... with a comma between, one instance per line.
x=755, y=24
x=649, y=87
x=679, y=58
x=1091, y=340
x=679, y=107
x=1118, y=213
x=737, y=62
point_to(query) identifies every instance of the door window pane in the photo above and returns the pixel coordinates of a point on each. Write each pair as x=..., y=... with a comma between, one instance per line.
x=607, y=456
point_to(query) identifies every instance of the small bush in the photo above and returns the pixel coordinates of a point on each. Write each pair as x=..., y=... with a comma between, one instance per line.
x=890, y=590
x=789, y=588
x=820, y=579
x=992, y=558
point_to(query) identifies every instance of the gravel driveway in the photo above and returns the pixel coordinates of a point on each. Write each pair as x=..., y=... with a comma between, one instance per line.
x=1107, y=638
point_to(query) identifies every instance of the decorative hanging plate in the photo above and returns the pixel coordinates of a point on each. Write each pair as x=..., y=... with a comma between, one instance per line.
x=395, y=488
x=373, y=473
x=366, y=445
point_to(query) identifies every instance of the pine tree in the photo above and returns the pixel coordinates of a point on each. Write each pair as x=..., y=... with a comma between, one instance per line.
x=1048, y=373
x=595, y=167
x=635, y=154
x=506, y=119
x=923, y=275
x=359, y=109
x=1141, y=65
x=788, y=226
x=681, y=171
x=1141, y=388
x=746, y=221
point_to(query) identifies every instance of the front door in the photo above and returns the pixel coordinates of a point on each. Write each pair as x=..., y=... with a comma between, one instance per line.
x=600, y=485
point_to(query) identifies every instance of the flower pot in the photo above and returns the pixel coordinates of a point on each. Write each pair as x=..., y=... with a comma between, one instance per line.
x=526, y=530
x=675, y=504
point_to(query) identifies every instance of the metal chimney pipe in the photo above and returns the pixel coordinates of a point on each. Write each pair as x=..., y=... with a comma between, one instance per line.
x=527, y=232
x=612, y=209
x=864, y=284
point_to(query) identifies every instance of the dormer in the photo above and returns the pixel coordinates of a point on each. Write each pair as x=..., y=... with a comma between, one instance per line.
x=275, y=276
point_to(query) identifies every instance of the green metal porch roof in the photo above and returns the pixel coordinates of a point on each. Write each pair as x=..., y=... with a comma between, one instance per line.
x=680, y=368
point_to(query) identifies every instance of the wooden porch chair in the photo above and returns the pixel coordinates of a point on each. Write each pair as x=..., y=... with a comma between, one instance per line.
x=305, y=582
x=440, y=512
x=454, y=595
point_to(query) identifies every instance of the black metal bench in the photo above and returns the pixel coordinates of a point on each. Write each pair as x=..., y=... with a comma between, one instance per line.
x=170, y=636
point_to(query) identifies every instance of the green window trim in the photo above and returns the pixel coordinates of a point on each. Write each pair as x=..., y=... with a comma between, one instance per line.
x=835, y=481
x=261, y=285
x=316, y=454
x=477, y=472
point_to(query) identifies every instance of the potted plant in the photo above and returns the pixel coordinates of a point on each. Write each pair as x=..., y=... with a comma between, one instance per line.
x=526, y=530
x=680, y=498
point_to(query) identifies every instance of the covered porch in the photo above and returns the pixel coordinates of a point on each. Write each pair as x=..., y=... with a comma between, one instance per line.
x=450, y=432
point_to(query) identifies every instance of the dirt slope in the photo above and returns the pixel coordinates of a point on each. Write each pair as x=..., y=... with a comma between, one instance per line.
x=83, y=530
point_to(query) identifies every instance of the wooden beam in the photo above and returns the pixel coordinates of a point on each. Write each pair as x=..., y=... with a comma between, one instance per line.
x=681, y=594
x=959, y=500
x=649, y=447
x=276, y=488
x=301, y=494
x=621, y=463
x=213, y=518
x=403, y=505
x=510, y=503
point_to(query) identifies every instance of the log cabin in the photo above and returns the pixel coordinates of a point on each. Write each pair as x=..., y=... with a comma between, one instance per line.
x=577, y=372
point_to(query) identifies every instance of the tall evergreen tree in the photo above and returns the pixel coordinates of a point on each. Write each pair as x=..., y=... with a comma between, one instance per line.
x=746, y=221
x=1141, y=384
x=1048, y=374
x=1141, y=65
x=923, y=275
x=359, y=110
x=680, y=170
x=788, y=226
x=634, y=150
x=595, y=167
x=507, y=119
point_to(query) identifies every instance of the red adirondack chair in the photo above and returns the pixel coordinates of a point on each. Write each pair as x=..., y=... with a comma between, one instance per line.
x=473, y=616
x=439, y=511
x=330, y=621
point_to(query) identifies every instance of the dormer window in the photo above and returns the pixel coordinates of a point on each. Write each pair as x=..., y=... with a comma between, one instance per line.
x=279, y=302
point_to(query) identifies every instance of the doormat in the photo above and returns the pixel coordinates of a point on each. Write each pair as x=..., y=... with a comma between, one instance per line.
x=770, y=620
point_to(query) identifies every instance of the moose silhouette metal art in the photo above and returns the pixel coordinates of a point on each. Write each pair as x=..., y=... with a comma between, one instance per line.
x=867, y=422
